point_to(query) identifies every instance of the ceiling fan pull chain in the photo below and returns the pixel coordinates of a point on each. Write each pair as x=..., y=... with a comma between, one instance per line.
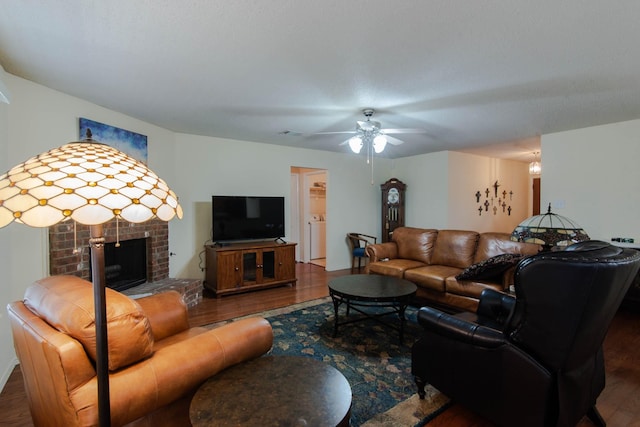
x=371, y=170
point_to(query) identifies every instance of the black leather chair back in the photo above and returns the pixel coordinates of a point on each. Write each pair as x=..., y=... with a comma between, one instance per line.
x=566, y=300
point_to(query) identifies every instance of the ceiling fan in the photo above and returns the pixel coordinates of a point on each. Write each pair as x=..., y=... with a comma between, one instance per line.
x=370, y=133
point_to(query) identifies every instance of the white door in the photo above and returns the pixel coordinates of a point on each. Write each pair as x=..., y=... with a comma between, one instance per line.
x=312, y=215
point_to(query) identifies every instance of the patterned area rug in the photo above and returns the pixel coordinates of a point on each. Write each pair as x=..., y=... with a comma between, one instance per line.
x=368, y=354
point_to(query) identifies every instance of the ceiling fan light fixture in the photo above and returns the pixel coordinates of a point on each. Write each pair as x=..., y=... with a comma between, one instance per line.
x=379, y=143
x=355, y=143
x=368, y=126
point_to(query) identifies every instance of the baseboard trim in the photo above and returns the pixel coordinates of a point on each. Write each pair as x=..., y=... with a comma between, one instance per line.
x=7, y=372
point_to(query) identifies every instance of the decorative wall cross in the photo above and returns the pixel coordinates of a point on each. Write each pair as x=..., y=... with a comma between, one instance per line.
x=489, y=201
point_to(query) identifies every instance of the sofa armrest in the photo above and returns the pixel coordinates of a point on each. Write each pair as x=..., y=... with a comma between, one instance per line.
x=380, y=251
x=459, y=329
x=51, y=361
x=166, y=312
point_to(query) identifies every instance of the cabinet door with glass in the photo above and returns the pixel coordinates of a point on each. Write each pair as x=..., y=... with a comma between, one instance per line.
x=250, y=267
x=267, y=265
x=259, y=266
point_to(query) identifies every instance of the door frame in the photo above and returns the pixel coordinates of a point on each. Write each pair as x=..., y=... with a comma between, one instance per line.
x=306, y=210
x=294, y=213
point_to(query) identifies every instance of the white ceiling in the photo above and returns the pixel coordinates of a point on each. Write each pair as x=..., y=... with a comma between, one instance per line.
x=470, y=73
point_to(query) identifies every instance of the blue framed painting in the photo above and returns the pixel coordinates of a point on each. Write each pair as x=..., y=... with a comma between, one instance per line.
x=130, y=143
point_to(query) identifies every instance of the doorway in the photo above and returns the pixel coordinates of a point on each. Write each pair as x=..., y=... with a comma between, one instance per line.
x=536, y=196
x=309, y=214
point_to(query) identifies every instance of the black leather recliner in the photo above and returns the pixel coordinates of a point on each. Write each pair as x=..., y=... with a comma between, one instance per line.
x=536, y=359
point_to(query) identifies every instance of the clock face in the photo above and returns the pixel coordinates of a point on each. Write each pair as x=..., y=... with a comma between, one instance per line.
x=393, y=196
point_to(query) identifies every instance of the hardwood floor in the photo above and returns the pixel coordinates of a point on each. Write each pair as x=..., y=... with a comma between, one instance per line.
x=619, y=403
x=312, y=284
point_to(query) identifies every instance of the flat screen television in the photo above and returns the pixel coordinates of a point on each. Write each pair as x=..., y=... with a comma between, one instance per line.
x=247, y=218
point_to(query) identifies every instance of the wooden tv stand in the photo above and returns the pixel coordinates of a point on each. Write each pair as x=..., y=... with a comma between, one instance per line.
x=243, y=267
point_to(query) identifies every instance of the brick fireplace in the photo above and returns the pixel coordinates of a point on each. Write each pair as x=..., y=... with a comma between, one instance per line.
x=63, y=260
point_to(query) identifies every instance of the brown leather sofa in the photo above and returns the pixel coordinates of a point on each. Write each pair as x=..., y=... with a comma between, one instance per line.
x=156, y=361
x=433, y=258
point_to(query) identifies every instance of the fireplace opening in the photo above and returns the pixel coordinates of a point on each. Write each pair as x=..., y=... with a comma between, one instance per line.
x=125, y=266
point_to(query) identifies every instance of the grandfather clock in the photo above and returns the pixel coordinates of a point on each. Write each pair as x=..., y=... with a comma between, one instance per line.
x=392, y=207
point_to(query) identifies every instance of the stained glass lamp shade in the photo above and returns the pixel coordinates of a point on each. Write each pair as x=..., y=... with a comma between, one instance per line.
x=549, y=230
x=90, y=183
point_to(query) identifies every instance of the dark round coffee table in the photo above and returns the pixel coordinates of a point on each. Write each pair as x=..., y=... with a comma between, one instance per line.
x=274, y=391
x=371, y=290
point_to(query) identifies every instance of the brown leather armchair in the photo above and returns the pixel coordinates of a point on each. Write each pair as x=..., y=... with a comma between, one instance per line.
x=533, y=360
x=156, y=361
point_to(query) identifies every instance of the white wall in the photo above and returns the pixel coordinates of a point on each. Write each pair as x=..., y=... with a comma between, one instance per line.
x=7, y=293
x=441, y=190
x=427, y=196
x=469, y=174
x=591, y=176
x=210, y=166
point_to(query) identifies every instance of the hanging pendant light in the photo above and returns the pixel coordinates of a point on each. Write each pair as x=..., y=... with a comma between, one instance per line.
x=535, y=168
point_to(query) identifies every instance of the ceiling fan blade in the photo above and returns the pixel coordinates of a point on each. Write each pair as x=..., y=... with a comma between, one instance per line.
x=387, y=131
x=393, y=141
x=344, y=142
x=333, y=133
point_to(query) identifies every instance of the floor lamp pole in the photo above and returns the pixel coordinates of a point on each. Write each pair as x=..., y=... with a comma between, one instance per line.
x=96, y=242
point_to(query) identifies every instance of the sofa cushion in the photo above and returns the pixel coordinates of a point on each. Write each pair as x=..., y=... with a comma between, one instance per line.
x=491, y=244
x=470, y=288
x=415, y=243
x=66, y=303
x=455, y=248
x=490, y=268
x=431, y=276
x=394, y=267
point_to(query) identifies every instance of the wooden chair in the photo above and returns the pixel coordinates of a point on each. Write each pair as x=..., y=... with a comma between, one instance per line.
x=358, y=242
